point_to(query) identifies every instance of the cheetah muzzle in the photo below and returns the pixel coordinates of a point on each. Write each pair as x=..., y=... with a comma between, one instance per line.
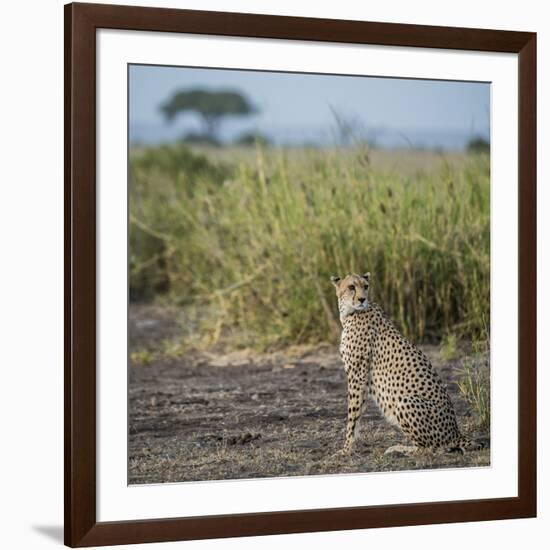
x=382, y=363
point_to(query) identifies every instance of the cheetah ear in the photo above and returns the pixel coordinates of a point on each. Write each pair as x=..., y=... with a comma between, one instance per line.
x=335, y=280
x=366, y=276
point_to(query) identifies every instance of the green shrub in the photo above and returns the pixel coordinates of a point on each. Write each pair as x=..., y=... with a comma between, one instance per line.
x=478, y=145
x=161, y=180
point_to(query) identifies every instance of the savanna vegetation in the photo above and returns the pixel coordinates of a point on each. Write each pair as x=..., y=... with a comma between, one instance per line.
x=245, y=240
x=233, y=321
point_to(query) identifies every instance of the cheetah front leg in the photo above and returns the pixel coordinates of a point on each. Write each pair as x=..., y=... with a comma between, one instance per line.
x=357, y=391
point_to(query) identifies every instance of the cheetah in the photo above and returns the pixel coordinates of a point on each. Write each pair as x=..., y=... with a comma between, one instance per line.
x=382, y=363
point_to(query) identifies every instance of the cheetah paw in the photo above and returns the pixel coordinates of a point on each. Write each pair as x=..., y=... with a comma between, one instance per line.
x=401, y=450
x=344, y=452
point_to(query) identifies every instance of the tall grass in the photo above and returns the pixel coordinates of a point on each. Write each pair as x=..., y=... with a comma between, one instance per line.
x=252, y=245
x=474, y=386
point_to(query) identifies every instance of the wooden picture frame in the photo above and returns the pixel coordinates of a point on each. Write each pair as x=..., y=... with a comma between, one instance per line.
x=81, y=23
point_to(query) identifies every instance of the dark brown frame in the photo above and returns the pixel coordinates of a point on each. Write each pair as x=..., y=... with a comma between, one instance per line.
x=81, y=23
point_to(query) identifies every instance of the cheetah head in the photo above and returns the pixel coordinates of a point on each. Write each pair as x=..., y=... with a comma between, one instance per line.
x=352, y=293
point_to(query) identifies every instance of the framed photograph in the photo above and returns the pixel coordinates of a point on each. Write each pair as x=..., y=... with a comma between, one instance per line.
x=300, y=274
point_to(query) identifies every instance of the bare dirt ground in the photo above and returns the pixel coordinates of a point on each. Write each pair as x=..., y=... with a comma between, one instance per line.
x=210, y=415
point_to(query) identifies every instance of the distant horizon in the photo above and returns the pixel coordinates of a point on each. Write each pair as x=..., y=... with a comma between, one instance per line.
x=301, y=109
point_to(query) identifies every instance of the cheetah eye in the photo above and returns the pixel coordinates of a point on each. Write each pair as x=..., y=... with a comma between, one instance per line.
x=351, y=287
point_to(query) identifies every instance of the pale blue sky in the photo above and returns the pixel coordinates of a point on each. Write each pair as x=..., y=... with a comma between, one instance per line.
x=296, y=108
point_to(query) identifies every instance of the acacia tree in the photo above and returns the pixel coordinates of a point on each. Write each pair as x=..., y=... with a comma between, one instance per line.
x=211, y=106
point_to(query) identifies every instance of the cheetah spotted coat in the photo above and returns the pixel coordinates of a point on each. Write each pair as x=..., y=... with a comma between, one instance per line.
x=382, y=363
